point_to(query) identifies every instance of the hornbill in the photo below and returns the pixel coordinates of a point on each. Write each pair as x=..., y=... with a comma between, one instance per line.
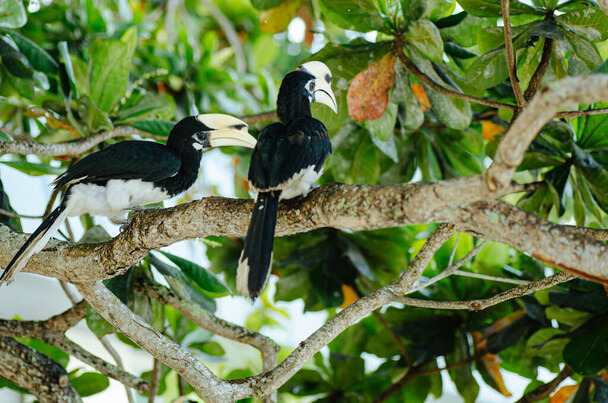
x=130, y=174
x=286, y=162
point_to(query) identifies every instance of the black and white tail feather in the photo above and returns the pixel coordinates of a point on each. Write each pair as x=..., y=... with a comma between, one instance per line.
x=35, y=243
x=256, y=259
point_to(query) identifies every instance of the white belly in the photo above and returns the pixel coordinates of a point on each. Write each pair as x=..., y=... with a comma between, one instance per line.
x=114, y=198
x=299, y=185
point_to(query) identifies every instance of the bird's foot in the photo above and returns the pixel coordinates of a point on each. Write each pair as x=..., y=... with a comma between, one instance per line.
x=312, y=187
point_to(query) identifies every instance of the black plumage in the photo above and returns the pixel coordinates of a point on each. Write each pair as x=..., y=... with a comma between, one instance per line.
x=131, y=174
x=286, y=162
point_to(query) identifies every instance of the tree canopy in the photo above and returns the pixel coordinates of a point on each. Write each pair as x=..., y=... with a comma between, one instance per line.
x=461, y=218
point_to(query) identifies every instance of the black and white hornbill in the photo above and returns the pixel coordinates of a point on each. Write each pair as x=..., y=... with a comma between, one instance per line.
x=286, y=163
x=131, y=174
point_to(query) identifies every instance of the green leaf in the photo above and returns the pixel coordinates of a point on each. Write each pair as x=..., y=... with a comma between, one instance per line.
x=383, y=127
x=366, y=164
x=158, y=127
x=424, y=36
x=585, y=50
x=595, y=174
x=13, y=61
x=461, y=33
x=52, y=352
x=567, y=316
x=586, y=353
x=326, y=288
x=402, y=92
x=69, y=70
x=414, y=10
x=90, y=383
x=266, y=4
x=12, y=14
x=199, y=275
x=96, y=119
x=209, y=347
x=38, y=57
x=489, y=70
x=492, y=8
x=594, y=135
x=98, y=325
x=462, y=376
x=356, y=15
x=546, y=29
x=306, y=382
x=156, y=107
x=589, y=23
x=110, y=65
x=32, y=168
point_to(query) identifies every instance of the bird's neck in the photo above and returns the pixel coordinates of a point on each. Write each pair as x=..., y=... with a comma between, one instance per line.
x=187, y=174
x=290, y=108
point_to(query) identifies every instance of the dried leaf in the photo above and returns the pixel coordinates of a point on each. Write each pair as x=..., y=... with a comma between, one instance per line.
x=563, y=394
x=367, y=96
x=51, y=120
x=420, y=95
x=277, y=19
x=350, y=296
x=489, y=130
x=307, y=17
x=491, y=363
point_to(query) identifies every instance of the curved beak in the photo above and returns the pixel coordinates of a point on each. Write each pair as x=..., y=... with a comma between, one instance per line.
x=323, y=93
x=224, y=130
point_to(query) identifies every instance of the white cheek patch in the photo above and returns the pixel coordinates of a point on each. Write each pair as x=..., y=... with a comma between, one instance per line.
x=197, y=146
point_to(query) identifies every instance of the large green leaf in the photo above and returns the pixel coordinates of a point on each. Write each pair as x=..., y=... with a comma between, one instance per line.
x=98, y=325
x=489, y=69
x=199, y=275
x=32, y=168
x=12, y=14
x=38, y=57
x=158, y=127
x=492, y=8
x=356, y=15
x=156, y=107
x=589, y=23
x=594, y=135
x=585, y=50
x=266, y=4
x=462, y=376
x=586, y=353
x=594, y=173
x=424, y=36
x=110, y=65
x=90, y=383
x=13, y=61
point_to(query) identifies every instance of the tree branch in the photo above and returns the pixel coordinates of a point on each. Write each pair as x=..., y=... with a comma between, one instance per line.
x=480, y=304
x=540, y=110
x=511, y=62
x=540, y=70
x=207, y=385
x=546, y=389
x=35, y=372
x=210, y=322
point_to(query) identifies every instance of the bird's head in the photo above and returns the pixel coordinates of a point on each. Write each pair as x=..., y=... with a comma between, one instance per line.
x=310, y=82
x=210, y=130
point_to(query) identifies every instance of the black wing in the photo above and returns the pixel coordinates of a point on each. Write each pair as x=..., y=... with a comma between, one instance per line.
x=134, y=159
x=284, y=150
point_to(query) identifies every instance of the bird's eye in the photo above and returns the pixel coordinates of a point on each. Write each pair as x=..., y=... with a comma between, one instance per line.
x=311, y=86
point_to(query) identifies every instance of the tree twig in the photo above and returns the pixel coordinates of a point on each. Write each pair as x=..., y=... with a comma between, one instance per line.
x=546, y=389
x=231, y=35
x=480, y=304
x=11, y=214
x=489, y=278
x=110, y=349
x=540, y=70
x=511, y=62
x=409, y=64
x=206, y=320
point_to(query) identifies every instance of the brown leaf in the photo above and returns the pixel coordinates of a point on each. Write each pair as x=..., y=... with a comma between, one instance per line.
x=367, y=96
x=350, y=296
x=489, y=130
x=420, y=95
x=51, y=120
x=491, y=362
x=563, y=394
x=306, y=16
x=275, y=20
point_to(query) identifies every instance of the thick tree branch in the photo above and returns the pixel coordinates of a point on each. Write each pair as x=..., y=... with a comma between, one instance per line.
x=212, y=323
x=511, y=62
x=540, y=110
x=540, y=70
x=35, y=372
